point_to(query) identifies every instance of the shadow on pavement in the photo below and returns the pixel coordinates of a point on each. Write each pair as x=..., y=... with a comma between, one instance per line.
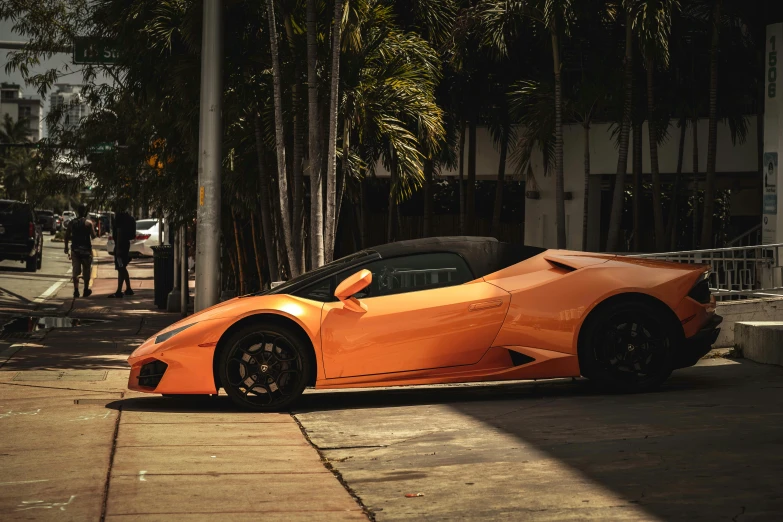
x=183, y=404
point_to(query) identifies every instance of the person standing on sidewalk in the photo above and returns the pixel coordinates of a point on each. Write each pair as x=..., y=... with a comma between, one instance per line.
x=124, y=231
x=80, y=233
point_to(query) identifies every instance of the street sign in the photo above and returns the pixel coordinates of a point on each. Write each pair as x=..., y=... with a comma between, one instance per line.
x=100, y=147
x=95, y=51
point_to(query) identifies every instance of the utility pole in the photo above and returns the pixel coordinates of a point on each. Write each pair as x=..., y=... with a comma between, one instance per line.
x=210, y=136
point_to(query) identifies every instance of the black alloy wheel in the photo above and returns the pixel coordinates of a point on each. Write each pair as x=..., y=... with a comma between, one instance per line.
x=265, y=367
x=628, y=347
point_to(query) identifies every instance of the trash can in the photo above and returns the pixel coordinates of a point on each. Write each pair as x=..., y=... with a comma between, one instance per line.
x=162, y=273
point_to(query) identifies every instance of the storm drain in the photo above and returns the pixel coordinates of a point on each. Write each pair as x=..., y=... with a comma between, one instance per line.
x=66, y=375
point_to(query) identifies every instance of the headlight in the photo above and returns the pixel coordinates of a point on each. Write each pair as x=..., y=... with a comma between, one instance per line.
x=171, y=333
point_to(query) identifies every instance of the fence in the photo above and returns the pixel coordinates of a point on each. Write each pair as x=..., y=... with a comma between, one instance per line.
x=737, y=272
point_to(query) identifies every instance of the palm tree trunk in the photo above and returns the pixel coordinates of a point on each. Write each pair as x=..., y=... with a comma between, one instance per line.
x=330, y=224
x=255, y=251
x=559, y=181
x=712, y=136
x=282, y=178
x=695, y=208
x=461, y=177
x=429, y=167
x=470, y=193
x=660, y=237
x=586, y=198
x=671, y=226
x=297, y=194
x=498, y=207
x=237, y=243
x=344, y=172
x=618, y=197
x=636, y=167
x=266, y=214
x=365, y=212
x=314, y=152
x=392, y=201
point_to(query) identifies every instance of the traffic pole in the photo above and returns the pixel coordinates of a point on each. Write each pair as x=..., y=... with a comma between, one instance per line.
x=210, y=136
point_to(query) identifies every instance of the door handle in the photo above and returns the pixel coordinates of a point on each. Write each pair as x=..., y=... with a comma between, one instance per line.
x=484, y=305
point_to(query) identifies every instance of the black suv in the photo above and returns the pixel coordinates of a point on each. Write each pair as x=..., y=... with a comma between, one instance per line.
x=46, y=220
x=20, y=234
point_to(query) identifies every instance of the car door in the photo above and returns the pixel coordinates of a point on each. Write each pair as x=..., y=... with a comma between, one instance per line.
x=421, y=312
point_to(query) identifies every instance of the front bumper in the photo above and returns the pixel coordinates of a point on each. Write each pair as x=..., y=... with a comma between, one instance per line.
x=696, y=346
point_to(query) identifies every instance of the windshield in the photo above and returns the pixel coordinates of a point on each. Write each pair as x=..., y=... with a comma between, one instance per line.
x=146, y=224
x=328, y=268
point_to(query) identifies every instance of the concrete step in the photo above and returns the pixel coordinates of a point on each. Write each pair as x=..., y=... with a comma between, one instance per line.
x=768, y=309
x=760, y=341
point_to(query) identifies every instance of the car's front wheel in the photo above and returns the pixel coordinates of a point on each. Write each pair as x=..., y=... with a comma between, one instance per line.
x=627, y=346
x=265, y=367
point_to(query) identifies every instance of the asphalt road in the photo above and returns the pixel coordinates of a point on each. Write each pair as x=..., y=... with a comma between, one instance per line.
x=707, y=446
x=26, y=291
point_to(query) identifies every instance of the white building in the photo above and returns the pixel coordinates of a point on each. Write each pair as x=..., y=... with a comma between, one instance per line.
x=737, y=169
x=69, y=99
x=20, y=106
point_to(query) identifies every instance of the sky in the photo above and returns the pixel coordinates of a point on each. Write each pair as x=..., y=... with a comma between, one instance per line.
x=60, y=61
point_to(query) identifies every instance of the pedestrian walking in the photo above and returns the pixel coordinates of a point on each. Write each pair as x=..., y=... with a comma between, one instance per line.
x=80, y=232
x=124, y=232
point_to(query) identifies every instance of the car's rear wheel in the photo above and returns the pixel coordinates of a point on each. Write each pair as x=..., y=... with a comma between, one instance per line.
x=31, y=263
x=627, y=346
x=265, y=367
x=39, y=260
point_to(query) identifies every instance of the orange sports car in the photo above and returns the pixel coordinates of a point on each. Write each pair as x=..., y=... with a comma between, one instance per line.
x=440, y=310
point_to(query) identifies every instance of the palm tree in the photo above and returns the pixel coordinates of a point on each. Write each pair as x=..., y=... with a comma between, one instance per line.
x=653, y=23
x=314, y=150
x=14, y=131
x=282, y=177
x=557, y=17
x=331, y=164
x=712, y=130
x=613, y=235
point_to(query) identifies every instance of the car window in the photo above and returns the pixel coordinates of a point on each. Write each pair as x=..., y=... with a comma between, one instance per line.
x=15, y=212
x=399, y=275
x=146, y=224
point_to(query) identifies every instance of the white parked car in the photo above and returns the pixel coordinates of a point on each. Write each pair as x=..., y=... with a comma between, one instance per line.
x=67, y=216
x=147, y=236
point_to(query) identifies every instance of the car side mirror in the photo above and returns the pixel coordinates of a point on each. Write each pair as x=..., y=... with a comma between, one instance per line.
x=352, y=284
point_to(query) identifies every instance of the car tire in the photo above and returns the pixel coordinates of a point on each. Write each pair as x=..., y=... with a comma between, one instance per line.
x=265, y=367
x=31, y=263
x=39, y=260
x=628, y=346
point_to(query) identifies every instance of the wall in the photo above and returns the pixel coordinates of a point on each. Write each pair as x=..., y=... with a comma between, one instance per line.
x=745, y=310
x=539, y=214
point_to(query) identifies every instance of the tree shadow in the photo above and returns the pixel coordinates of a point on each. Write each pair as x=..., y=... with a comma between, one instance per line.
x=707, y=446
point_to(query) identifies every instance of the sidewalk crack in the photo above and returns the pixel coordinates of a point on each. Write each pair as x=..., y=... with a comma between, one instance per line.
x=368, y=513
x=111, y=461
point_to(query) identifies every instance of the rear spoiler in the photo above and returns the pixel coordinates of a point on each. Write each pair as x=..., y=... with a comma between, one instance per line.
x=575, y=261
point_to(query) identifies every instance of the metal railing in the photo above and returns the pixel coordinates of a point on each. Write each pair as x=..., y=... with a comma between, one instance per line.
x=751, y=237
x=737, y=272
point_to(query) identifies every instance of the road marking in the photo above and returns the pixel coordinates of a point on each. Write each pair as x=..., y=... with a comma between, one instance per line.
x=141, y=476
x=22, y=482
x=49, y=291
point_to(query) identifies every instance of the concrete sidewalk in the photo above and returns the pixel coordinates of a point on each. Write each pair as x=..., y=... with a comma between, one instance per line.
x=77, y=445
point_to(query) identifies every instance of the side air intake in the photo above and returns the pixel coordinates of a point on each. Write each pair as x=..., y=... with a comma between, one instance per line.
x=518, y=359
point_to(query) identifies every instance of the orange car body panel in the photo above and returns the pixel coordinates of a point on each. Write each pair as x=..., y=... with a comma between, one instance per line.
x=190, y=353
x=461, y=333
x=451, y=326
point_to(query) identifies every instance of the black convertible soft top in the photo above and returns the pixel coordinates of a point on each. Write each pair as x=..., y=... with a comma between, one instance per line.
x=483, y=255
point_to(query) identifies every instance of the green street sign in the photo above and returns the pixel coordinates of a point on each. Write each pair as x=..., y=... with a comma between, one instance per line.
x=94, y=51
x=100, y=147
